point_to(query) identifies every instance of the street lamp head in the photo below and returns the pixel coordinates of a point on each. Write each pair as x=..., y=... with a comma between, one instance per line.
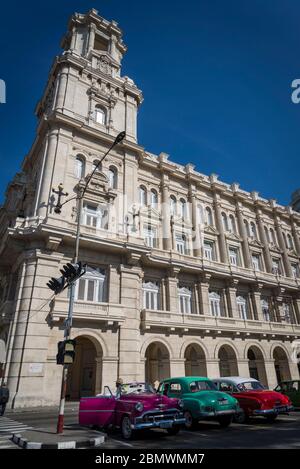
x=120, y=137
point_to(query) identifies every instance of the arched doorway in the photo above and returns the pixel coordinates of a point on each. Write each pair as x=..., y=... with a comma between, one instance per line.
x=195, y=363
x=257, y=365
x=84, y=375
x=281, y=364
x=157, y=365
x=227, y=361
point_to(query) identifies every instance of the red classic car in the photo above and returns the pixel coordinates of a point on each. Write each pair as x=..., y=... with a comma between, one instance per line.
x=135, y=406
x=253, y=398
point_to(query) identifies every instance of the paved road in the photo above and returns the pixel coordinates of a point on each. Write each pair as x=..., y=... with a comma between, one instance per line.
x=283, y=433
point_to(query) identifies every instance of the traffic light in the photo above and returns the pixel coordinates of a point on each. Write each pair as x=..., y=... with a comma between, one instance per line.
x=70, y=273
x=56, y=284
x=66, y=352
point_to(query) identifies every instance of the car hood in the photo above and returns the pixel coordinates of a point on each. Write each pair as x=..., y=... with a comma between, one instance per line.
x=265, y=396
x=210, y=396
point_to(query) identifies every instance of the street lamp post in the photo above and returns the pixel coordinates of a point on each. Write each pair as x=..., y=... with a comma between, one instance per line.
x=68, y=322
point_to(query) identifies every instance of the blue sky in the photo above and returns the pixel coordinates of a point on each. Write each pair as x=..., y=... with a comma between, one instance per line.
x=216, y=77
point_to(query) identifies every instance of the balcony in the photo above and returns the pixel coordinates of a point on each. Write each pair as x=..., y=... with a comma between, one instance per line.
x=109, y=313
x=188, y=322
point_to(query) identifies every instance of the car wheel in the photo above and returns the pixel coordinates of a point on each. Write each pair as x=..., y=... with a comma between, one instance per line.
x=241, y=417
x=271, y=418
x=190, y=422
x=174, y=430
x=225, y=421
x=127, y=431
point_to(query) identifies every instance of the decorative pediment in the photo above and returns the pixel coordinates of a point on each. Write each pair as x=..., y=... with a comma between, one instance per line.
x=210, y=230
x=255, y=243
x=293, y=253
x=274, y=248
x=149, y=213
x=104, y=64
x=98, y=188
x=233, y=237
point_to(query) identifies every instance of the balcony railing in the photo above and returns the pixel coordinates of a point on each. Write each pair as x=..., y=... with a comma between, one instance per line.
x=170, y=320
x=110, y=313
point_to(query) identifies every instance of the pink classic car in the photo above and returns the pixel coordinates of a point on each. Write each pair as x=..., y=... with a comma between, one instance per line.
x=135, y=407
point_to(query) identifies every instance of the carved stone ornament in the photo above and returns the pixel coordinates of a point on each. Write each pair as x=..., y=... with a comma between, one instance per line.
x=105, y=65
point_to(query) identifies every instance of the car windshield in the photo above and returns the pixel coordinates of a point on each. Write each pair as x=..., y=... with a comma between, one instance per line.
x=250, y=386
x=136, y=388
x=196, y=386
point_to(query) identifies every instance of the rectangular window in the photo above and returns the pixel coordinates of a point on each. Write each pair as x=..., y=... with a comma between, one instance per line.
x=91, y=287
x=151, y=295
x=256, y=261
x=295, y=270
x=95, y=216
x=276, y=267
x=185, y=300
x=181, y=244
x=233, y=256
x=150, y=236
x=208, y=250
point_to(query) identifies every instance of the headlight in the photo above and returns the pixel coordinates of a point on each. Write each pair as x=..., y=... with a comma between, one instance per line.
x=180, y=403
x=139, y=406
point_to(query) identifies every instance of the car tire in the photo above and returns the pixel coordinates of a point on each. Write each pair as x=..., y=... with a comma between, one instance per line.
x=126, y=430
x=190, y=422
x=174, y=430
x=271, y=418
x=225, y=421
x=242, y=417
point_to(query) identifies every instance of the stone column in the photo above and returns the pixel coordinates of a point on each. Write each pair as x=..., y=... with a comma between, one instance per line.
x=172, y=290
x=231, y=300
x=114, y=285
x=166, y=227
x=177, y=367
x=286, y=260
x=195, y=222
x=295, y=235
x=213, y=369
x=203, y=287
x=243, y=233
x=62, y=88
x=163, y=295
x=294, y=370
x=43, y=202
x=109, y=372
x=262, y=235
x=271, y=374
x=195, y=299
x=219, y=223
x=91, y=37
x=255, y=296
x=243, y=367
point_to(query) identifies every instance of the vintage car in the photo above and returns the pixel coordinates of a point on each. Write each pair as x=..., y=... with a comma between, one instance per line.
x=291, y=389
x=254, y=398
x=135, y=406
x=201, y=400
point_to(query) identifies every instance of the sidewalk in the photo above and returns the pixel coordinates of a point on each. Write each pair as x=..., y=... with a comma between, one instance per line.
x=74, y=436
x=69, y=407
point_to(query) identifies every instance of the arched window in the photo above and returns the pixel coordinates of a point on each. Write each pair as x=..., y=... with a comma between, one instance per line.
x=267, y=234
x=182, y=208
x=247, y=227
x=242, y=307
x=100, y=115
x=272, y=236
x=143, y=196
x=224, y=221
x=95, y=163
x=253, y=232
x=209, y=216
x=232, y=225
x=290, y=242
x=173, y=204
x=79, y=166
x=154, y=199
x=113, y=177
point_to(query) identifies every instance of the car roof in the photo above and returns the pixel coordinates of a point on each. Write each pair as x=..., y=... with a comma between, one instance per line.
x=188, y=379
x=234, y=379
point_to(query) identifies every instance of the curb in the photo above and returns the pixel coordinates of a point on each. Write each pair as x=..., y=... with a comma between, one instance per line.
x=90, y=443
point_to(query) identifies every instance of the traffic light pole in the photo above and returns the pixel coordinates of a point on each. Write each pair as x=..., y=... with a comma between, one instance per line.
x=68, y=323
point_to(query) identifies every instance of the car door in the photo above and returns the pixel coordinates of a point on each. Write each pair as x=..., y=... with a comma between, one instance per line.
x=174, y=390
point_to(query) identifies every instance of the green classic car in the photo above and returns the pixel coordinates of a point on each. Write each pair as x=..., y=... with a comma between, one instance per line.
x=290, y=389
x=201, y=400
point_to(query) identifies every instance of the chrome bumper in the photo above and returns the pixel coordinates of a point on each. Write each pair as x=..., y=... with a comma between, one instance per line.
x=275, y=411
x=218, y=413
x=158, y=421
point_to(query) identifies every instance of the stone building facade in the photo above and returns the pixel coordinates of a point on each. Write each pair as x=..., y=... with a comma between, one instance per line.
x=185, y=274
